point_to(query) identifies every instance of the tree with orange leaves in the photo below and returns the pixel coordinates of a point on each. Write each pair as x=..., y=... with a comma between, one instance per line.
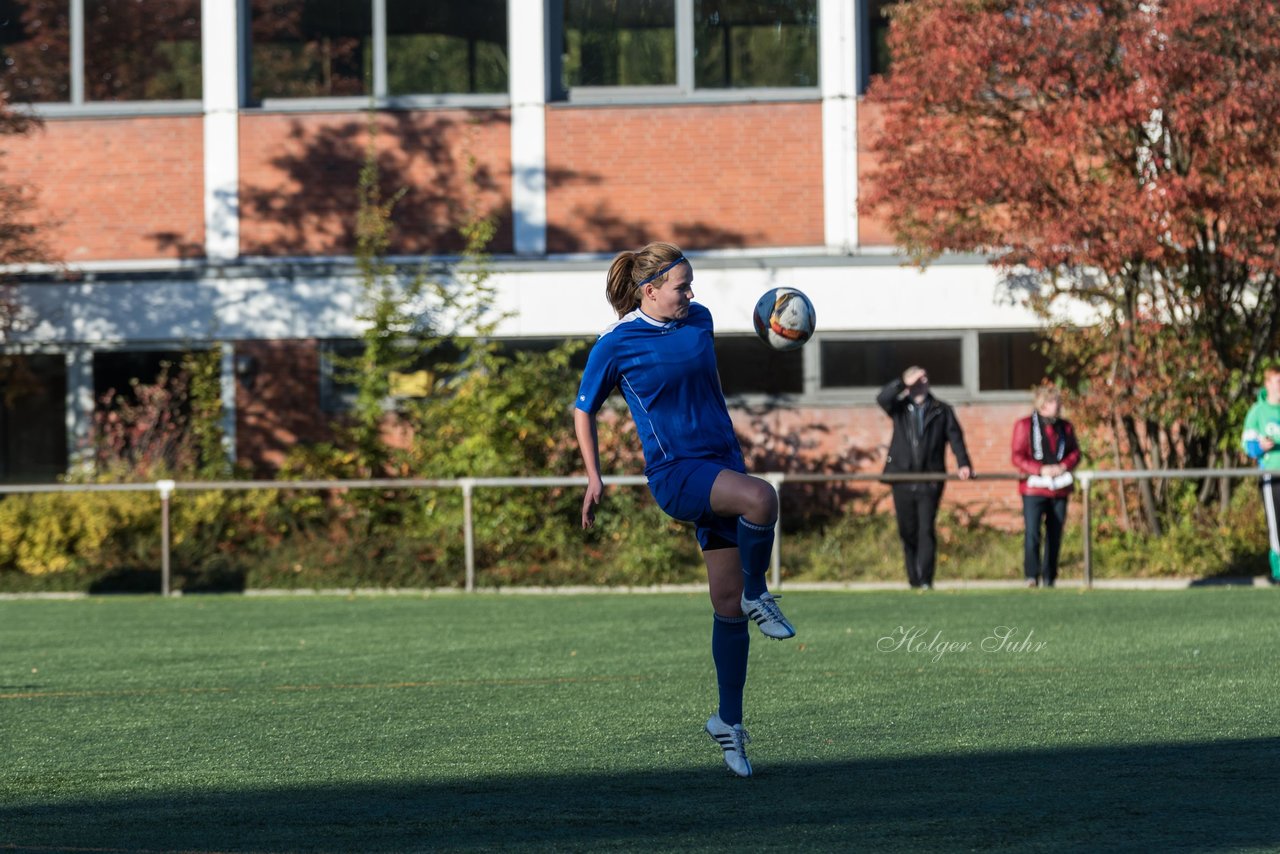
x=1117, y=155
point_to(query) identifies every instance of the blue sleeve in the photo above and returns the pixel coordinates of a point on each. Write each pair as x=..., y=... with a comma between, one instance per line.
x=1251, y=439
x=599, y=378
x=700, y=316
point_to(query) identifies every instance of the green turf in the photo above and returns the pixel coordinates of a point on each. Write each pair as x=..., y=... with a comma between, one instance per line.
x=1148, y=721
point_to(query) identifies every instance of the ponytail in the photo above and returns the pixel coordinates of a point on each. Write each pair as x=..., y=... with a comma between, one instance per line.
x=621, y=290
x=630, y=269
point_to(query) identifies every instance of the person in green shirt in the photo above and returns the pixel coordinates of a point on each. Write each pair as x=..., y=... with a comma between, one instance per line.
x=1261, y=440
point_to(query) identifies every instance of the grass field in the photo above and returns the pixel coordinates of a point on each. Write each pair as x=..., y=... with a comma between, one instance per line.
x=1146, y=721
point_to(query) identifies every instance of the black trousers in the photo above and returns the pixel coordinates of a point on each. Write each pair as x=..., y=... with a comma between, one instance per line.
x=916, y=506
x=1050, y=513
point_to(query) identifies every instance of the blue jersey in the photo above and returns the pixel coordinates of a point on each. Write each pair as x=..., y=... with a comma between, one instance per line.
x=668, y=376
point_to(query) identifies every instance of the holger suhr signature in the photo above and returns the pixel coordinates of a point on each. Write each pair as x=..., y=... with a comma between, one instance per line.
x=918, y=639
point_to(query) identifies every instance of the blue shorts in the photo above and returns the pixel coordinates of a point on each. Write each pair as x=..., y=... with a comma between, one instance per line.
x=683, y=491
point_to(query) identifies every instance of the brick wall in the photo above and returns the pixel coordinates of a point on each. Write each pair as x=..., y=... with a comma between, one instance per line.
x=115, y=189
x=702, y=176
x=859, y=436
x=282, y=405
x=873, y=230
x=299, y=174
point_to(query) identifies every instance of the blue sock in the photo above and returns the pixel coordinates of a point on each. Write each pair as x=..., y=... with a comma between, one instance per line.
x=730, y=641
x=755, y=547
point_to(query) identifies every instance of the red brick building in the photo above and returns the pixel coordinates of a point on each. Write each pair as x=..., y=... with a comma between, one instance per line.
x=196, y=177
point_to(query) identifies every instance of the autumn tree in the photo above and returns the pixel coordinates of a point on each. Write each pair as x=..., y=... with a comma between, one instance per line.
x=1120, y=159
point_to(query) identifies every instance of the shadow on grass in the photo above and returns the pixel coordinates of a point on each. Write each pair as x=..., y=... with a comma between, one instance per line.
x=1214, y=796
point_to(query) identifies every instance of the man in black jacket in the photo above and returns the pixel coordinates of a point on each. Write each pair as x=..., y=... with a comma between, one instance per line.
x=922, y=425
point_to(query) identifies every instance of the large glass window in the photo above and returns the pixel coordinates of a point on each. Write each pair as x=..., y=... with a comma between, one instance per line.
x=330, y=48
x=749, y=367
x=1010, y=361
x=134, y=50
x=311, y=49
x=142, y=50
x=870, y=363
x=117, y=373
x=443, y=48
x=619, y=43
x=33, y=424
x=875, y=41
x=703, y=44
x=340, y=359
x=35, y=39
x=749, y=43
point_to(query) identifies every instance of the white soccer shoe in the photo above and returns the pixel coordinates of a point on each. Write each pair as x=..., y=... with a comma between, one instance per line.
x=733, y=741
x=768, y=616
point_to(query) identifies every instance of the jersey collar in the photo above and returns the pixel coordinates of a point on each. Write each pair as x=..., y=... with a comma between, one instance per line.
x=661, y=324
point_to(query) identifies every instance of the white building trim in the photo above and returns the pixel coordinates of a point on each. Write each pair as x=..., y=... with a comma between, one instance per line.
x=220, y=57
x=227, y=374
x=540, y=299
x=79, y=405
x=838, y=79
x=528, y=64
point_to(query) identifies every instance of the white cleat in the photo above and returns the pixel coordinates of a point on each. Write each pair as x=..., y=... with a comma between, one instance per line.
x=768, y=616
x=733, y=741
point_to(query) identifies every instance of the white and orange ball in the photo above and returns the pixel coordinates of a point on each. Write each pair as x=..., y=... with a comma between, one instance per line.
x=784, y=318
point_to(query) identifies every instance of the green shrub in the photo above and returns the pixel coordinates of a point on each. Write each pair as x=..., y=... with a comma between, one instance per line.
x=1196, y=542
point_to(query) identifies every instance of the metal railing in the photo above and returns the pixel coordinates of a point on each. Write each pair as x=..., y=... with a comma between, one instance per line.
x=468, y=486
x=1087, y=478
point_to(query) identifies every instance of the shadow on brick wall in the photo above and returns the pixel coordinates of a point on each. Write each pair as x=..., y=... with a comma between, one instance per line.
x=809, y=447
x=606, y=230
x=304, y=198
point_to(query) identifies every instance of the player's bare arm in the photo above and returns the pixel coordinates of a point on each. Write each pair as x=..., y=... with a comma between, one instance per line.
x=584, y=425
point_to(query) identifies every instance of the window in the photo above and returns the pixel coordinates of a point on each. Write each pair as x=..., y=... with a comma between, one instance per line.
x=441, y=48
x=33, y=407
x=695, y=44
x=133, y=50
x=116, y=372
x=1010, y=361
x=387, y=48
x=312, y=49
x=748, y=367
x=870, y=363
x=875, y=39
x=742, y=44
x=339, y=358
x=619, y=43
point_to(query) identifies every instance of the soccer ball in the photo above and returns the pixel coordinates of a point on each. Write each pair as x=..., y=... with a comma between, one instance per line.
x=784, y=318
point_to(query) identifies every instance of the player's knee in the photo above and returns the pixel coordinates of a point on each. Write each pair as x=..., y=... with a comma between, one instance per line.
x=727, y=605
x=762, y=503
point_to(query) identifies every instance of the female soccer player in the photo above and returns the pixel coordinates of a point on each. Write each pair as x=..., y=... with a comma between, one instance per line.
x=660, y=354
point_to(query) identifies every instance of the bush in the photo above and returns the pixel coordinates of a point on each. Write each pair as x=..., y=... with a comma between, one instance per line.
x=1198, y=541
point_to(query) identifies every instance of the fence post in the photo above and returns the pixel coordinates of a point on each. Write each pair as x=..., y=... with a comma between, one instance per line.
x=1086, y=480
x=775, y=557
x=468, y=534
x=165, y=488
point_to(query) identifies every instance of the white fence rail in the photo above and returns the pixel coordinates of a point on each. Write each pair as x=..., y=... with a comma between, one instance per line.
x=467, y=486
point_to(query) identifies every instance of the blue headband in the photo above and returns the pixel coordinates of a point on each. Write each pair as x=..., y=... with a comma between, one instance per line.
x=662, y=272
